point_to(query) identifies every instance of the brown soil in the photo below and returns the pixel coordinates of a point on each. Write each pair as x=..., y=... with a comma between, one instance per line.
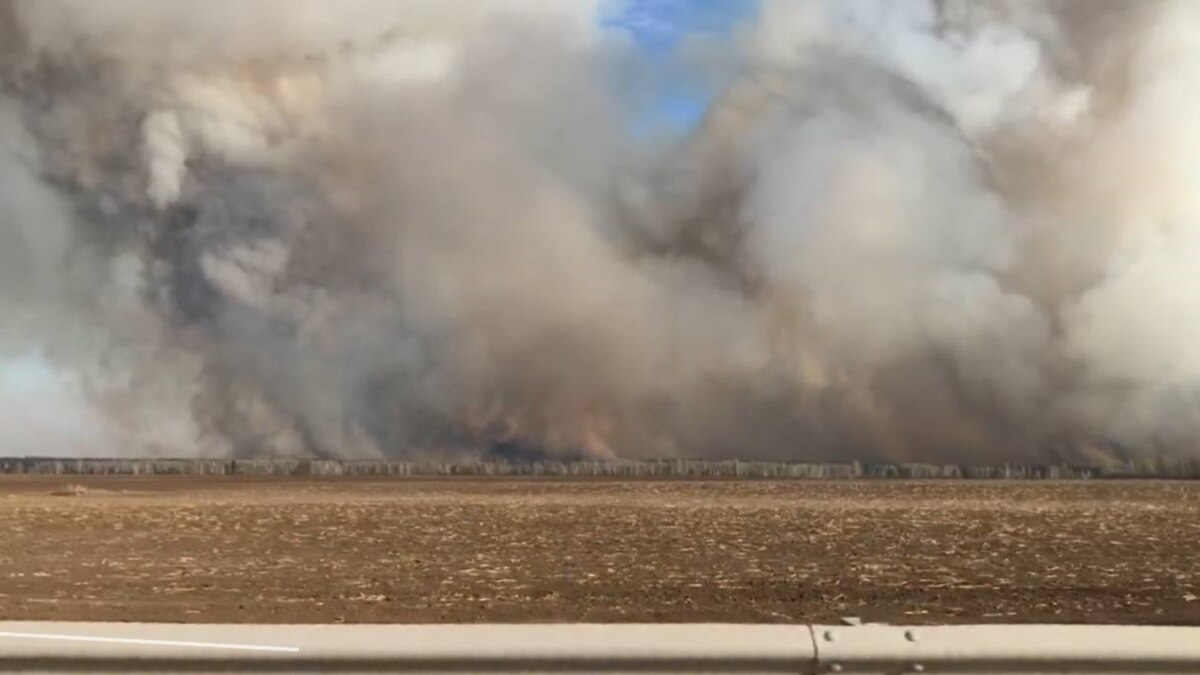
x=279, y=550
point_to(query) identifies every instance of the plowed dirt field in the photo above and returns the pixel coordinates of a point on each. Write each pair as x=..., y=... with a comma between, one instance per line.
x=354, y=550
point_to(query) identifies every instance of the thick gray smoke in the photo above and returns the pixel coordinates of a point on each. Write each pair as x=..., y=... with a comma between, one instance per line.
x=907, y=229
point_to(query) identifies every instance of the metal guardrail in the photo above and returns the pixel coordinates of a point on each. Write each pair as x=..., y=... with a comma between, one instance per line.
x=579, y=648
x=1007, y=649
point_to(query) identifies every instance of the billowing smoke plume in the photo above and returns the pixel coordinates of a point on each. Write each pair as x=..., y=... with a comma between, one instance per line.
x=906, y=228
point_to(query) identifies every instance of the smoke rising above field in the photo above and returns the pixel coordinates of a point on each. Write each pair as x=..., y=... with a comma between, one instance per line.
x=391, y=228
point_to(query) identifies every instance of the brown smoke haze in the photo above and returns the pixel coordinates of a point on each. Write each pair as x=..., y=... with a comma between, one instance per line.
x=907, y=229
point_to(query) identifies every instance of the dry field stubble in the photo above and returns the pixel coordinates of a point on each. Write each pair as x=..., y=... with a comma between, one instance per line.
x=291, y=550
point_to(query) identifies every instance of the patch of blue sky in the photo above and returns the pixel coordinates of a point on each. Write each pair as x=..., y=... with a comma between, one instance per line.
x=657, y=27
x=681, y=110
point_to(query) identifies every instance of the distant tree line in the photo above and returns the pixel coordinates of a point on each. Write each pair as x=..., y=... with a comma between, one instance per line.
x=662, y=468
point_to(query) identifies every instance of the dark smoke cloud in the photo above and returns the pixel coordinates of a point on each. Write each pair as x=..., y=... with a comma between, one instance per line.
x=915, y=229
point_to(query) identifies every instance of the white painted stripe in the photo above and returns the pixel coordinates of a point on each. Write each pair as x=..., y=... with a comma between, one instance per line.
x=141, y=641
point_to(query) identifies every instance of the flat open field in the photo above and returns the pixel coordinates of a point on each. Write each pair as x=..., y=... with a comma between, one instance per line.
x=298, y=550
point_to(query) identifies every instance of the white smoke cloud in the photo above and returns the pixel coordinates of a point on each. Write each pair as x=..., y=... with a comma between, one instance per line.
x=909, y=229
